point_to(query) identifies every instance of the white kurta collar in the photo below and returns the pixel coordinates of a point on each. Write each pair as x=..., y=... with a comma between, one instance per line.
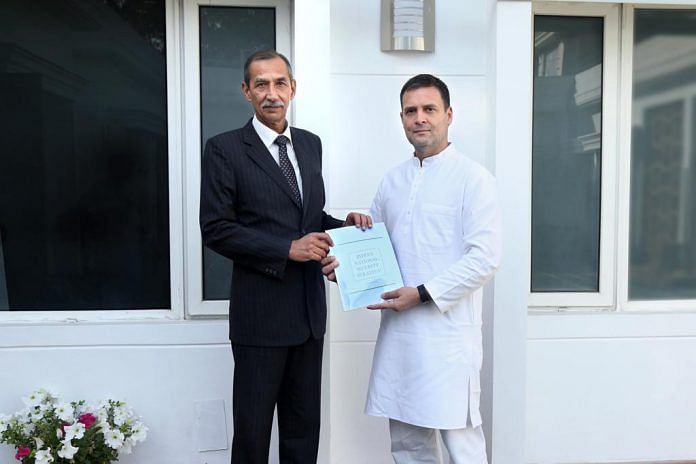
x=435, y=159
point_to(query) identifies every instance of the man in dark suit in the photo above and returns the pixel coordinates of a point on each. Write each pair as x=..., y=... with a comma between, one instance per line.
x=262, y=200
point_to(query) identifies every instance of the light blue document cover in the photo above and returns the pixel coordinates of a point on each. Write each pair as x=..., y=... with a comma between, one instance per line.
x=368, y=265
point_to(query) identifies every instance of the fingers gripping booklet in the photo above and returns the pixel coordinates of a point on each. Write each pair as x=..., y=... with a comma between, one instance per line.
x=368, y=265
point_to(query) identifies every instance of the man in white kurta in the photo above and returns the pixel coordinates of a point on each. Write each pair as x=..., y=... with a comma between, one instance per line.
x=441, y=211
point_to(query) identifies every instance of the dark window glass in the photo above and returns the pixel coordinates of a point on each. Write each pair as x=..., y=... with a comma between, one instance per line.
x=566, y=153
x=84, y=219
x=228, y=36
x=663, y=157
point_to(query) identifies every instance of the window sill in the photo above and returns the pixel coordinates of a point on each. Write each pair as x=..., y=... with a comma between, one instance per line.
x=124, y=333
x=588, y=324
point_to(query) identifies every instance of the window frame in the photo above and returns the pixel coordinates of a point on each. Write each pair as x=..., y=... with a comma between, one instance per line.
x=626, y=101
x=176, y=239
x=605, y=297
x=196, y=306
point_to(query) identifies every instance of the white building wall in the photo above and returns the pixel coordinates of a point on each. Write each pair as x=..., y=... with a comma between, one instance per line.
x=611, y=387
x=600, y=387
x=160, y=368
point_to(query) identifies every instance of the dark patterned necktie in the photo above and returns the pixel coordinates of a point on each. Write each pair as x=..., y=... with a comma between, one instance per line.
x=285, y=166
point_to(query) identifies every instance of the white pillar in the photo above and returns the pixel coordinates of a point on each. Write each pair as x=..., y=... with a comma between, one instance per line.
x=312, y=65
x=511, y=122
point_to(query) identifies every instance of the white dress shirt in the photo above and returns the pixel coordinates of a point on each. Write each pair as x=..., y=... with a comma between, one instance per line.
x=443, y=220
x=268, y=137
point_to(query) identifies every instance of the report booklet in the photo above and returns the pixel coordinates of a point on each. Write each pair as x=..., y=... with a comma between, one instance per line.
x=368, y=265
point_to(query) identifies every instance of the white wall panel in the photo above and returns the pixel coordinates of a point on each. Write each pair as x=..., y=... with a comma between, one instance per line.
x=311, y=36
x=614, y=399
x=512, y=161
x=610, y=324
x=161, y=383
x=356, y=438
x=368, y=139
x=460, y=35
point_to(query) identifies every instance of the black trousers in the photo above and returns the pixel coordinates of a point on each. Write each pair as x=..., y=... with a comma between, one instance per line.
x=289, y=377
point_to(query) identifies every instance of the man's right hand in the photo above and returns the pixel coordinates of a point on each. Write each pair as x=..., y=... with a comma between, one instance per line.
x=312, y=247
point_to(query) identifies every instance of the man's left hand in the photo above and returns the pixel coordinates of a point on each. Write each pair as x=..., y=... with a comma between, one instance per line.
x=328, y=267
x=398, y=300
x=358, y=220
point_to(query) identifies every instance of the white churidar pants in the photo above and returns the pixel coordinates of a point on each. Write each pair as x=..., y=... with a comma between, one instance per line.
x=418, y=445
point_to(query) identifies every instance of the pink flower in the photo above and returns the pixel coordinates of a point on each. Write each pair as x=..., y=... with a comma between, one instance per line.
x=22, y=452
x=88, y=419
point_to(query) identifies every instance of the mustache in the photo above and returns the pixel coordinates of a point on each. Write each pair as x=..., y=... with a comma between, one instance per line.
x=270, y=104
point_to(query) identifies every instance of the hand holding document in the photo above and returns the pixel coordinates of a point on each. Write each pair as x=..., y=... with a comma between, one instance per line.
x=368, y=265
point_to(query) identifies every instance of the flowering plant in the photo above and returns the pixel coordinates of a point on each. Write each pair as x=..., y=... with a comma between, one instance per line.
x=49, y=431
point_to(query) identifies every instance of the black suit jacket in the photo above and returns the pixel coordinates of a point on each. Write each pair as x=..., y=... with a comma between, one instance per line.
x=249, y=215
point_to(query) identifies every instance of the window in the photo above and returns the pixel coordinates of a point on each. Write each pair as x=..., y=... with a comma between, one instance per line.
x=567, y=153
x=658, y=256
x=587, y=157
x=573, y=155
x=226, y=34
x=662, y=227
x=102, y=124
x=84, y=204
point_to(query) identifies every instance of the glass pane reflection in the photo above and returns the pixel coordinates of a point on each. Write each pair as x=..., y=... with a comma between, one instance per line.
x=566, y=153
x=84, y=203
x=228, y=36
x=663, y=176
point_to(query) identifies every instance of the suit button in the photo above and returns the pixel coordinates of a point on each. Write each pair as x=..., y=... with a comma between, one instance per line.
x=303, y=232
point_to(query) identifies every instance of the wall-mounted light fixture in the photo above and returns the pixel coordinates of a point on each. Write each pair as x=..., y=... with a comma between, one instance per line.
x=408, y=25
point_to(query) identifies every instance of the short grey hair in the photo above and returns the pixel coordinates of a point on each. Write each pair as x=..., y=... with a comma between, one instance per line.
x=261, y=55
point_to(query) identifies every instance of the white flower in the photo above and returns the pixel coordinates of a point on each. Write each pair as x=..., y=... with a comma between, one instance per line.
x=77, y=430
x=43, y=407
x=139, y=432
x=64, y=411
x=39, y=398
x=43, y=457
x=120, y=426
x=121, y=415
x=114, y=438
x=67, y=451
x=102, y=416
x=34, y=399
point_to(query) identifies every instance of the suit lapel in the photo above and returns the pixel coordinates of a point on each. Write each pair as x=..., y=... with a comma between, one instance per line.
x=303, y=160
x=258, y=152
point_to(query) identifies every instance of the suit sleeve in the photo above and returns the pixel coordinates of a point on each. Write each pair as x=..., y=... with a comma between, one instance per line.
x=220, y=230
x=329, y=222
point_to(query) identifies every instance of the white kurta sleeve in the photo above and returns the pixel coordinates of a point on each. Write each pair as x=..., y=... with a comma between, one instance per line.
x=376, y=208
x=481, y=245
